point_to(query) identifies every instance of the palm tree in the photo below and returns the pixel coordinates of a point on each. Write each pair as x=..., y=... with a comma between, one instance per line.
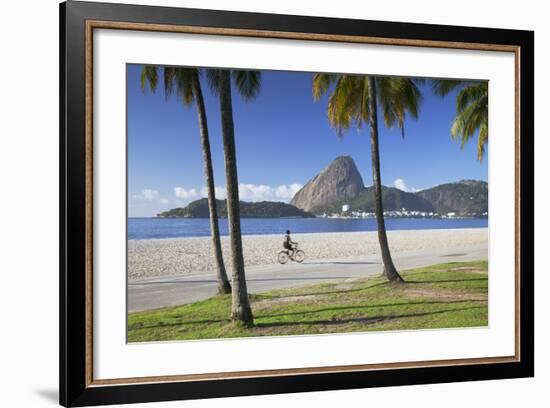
x=472, y=113
x=248, y=85
x=354, y=100
x=188, y=87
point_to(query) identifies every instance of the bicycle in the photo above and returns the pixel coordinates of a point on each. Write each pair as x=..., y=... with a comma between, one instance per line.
x=297, y=255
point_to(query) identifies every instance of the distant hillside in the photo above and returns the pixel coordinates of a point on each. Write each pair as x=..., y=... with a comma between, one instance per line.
x=464, y=197
x=264, y=209
x=393, y=200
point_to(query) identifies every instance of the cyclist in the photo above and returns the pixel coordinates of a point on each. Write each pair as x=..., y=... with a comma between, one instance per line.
x=288, y=244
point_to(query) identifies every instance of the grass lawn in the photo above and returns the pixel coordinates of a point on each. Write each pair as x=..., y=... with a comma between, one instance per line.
x=438, y=296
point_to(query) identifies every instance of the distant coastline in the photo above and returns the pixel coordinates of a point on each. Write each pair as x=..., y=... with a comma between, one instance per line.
x=409, y=215
x=160, y=228
x=341, y=217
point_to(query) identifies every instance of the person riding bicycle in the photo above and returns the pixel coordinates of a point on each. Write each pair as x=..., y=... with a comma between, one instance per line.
x=290, y=251
x=288, y=244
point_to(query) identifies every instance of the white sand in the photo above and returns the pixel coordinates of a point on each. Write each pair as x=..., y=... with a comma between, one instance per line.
x=161, y=257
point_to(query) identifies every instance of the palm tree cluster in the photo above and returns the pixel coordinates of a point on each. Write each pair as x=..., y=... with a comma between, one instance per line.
x=353, y=100
x=186, y=83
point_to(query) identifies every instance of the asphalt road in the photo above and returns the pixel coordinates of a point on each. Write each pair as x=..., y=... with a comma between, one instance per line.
x=153, y=293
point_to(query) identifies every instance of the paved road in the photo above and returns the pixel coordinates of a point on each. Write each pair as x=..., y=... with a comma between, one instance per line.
x=152, y=293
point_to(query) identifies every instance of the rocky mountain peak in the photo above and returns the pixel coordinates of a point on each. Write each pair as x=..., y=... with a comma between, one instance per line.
x=339, y=180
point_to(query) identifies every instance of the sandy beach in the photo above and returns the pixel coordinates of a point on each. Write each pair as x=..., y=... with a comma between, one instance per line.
x=180, y=256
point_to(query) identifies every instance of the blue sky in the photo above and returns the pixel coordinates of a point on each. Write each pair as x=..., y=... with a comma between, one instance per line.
x=283, y=139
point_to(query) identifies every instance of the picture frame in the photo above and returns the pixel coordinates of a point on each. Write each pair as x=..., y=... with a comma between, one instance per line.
x=78, y=386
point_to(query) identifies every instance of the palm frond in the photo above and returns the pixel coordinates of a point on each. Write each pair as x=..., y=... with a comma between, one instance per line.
x=399, y=97
x=180, y=81
x=482, y=141
x=149, y=75
x=247, y=83
x=213, y=80
x=184, y=79
x=468, y=121
x=348, y=101
x=345, y=104
x=321, y=84
x=471, y=93
x=169, y=73
x=472, y=110
x=442, y=87
x=385, y=99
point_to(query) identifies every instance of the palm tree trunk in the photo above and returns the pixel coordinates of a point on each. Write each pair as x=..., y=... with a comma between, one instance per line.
x=389, y=268
x=240, y=308
x=224, y=287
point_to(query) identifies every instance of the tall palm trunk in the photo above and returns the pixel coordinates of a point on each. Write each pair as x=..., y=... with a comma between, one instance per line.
x=240, y=308
x=389, y=267
x=224, y=286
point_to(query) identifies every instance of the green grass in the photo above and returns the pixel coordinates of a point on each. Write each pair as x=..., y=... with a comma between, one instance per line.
x=438, y=296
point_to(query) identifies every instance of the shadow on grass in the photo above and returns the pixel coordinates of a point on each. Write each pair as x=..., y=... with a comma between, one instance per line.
x=177, y=324
x=446, y=280
x=339, y=308
x=334, y=292
x=385, y=283
x=430, y=271
x=329, y=309
x=367, y=320
x=299, y=279
x=450, y=267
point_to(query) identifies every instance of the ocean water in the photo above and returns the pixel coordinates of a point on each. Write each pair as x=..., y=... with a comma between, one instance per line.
x=154, y=228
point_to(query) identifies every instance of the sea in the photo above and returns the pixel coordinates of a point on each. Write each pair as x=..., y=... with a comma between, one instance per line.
x=158, y=228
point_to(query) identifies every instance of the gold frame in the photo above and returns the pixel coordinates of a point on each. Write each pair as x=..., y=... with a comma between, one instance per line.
x=99, y=24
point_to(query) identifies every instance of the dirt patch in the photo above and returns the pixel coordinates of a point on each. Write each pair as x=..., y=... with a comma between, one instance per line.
x=277, y=301
x=347, y=284
x=329, y=326
x=468, y=269
x=443, y=295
